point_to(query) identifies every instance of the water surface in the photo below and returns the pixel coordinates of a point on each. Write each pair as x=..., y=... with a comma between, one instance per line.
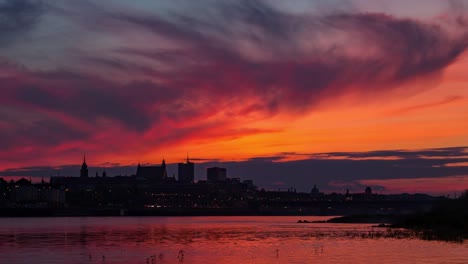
x=226, y=240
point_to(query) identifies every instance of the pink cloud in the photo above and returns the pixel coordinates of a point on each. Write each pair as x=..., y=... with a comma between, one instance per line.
x=247, y=60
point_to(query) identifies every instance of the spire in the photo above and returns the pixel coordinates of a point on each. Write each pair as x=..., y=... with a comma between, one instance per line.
x=188, y=158
x=84, y=161
x=164, y=172
x=84, y=168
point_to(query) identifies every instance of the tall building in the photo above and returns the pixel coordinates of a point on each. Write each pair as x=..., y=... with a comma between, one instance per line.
x=84, y=169
x=186, y=171
x=216, y=174
x=152, y=173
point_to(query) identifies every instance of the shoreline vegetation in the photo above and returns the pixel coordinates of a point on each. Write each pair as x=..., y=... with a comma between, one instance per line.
x=447, y=220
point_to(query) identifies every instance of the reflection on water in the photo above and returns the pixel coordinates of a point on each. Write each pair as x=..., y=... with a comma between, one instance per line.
x=194, y=240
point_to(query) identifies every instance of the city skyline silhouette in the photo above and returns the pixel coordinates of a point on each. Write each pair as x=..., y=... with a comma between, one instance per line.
x=285, y=94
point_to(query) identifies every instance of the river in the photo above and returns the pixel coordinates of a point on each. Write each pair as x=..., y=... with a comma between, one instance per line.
x=209, y=240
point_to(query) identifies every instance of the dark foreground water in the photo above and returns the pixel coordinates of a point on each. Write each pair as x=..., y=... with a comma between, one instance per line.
x=224, y=240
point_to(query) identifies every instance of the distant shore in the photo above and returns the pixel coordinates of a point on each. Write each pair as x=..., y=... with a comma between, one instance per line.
x=83, y=212
x=386, y=219
x=448, y=220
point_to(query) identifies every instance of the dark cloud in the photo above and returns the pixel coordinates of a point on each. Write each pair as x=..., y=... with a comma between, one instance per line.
x=413, y=48
x=38, y=172
x=238, y=57
x=402, y=154
x=293, y=75
x=333, y=168
x=88, y=98
x=43, y=132
x=336, y=174
x=18, y=17
x=290, y=77
x=354, y=186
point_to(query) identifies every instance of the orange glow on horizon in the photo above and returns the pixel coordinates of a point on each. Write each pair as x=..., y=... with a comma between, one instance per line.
x=440, y=186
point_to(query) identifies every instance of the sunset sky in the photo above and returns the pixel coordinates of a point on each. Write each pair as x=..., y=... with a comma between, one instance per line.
x=342, y=94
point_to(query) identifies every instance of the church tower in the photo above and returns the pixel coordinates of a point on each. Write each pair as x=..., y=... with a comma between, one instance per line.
x=186, y=171
x=164, y=170
x=84, y=169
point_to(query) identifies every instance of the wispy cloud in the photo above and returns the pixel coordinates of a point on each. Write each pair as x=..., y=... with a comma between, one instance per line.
x=128, y=79
x=17, y=18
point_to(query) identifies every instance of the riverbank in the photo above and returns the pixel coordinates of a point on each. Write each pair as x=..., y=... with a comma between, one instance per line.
x=448, y=220
x=91, y=212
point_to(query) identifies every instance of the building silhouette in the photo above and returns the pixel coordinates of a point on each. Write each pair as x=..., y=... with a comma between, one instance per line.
x=186, y=171
x=84, y=169
x=149, y=187
x=315, y=190
x=152, y=173
x=216, y=174
x=152, y=192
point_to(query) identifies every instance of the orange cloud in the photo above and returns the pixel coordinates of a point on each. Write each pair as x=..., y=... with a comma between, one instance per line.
x=370, y=81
